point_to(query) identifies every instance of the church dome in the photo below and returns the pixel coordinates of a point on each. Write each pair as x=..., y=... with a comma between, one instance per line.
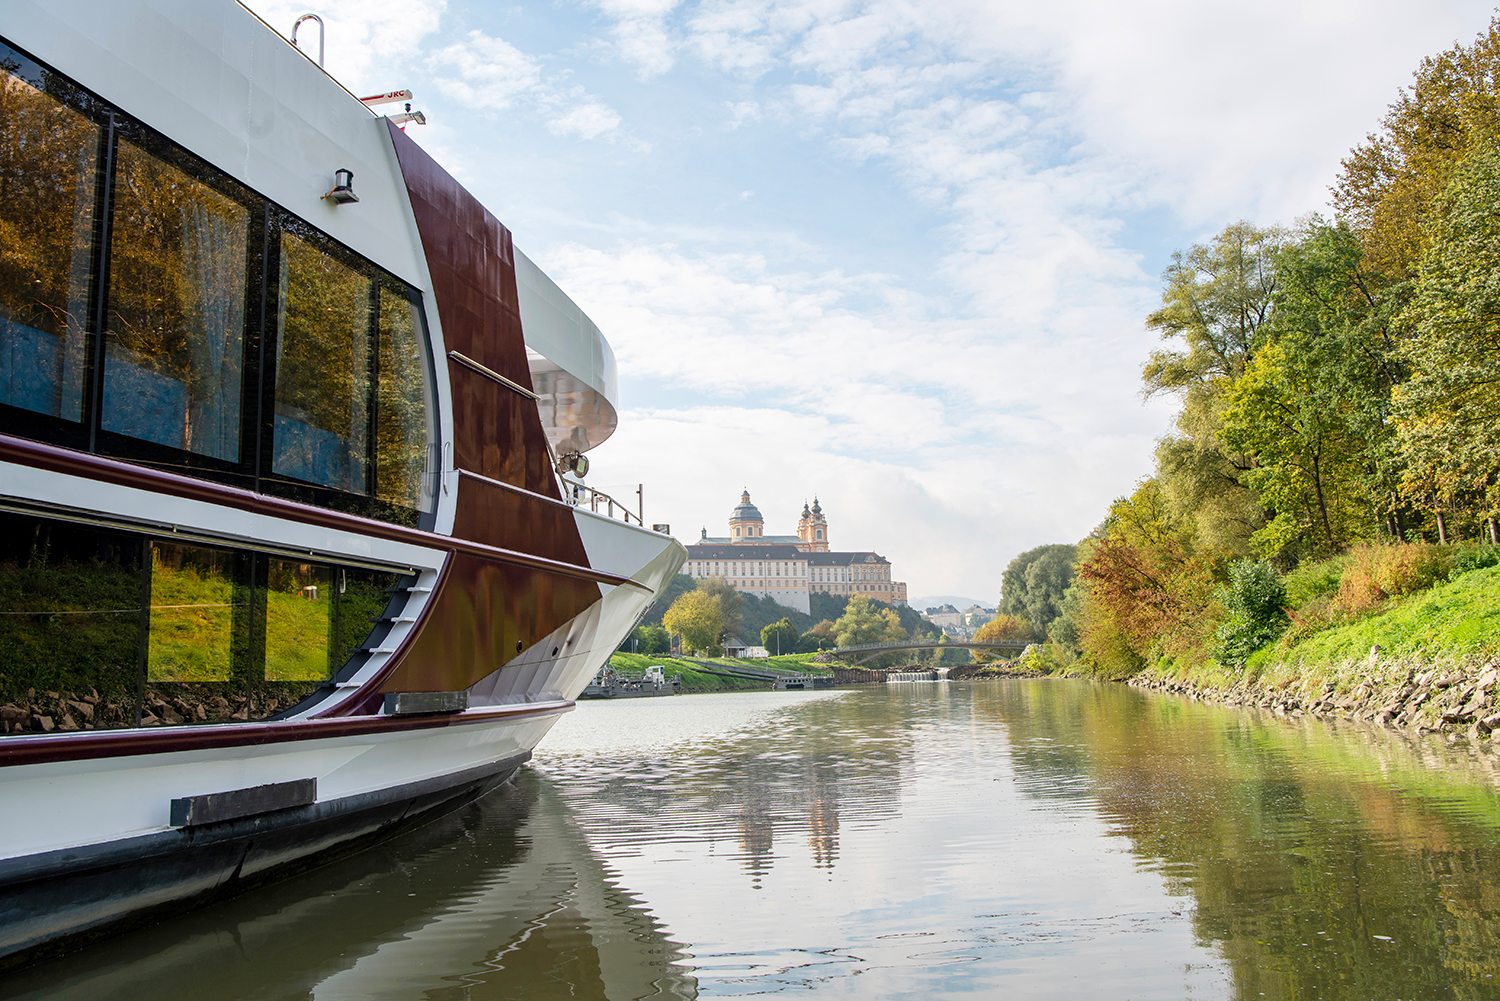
x=745, y=511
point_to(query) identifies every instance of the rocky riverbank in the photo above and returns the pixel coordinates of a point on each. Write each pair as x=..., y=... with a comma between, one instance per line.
x=1458, y=698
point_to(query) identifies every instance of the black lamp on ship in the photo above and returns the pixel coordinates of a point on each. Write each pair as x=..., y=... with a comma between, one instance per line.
x=343, y=187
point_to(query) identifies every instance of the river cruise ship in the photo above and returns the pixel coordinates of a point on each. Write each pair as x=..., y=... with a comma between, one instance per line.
x=293, y=545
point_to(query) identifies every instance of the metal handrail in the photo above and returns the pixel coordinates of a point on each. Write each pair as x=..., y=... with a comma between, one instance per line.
x=583, y=495
x=322, y=34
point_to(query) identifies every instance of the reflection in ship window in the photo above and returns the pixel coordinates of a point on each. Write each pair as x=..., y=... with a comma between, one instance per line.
x=403, y=429
x=345, y=606
x=322, y=369
x=48, y=156
x=193, y=592
x=299, y=599
x=176, y=309
x=70, y=601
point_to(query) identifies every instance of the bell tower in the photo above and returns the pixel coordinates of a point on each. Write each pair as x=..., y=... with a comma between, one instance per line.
x=816, y=527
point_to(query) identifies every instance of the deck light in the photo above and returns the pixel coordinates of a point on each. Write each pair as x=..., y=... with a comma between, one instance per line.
x=573, y=462
x=343, y=187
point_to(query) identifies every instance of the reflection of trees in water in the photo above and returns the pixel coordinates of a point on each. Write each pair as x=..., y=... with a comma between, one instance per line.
x=502, y=900
x=1298, y=846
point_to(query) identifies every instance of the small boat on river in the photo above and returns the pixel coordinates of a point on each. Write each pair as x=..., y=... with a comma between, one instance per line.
x=612, y=684
x=294, y=548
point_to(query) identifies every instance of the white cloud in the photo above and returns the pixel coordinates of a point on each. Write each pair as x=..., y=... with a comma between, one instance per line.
x=587, y=119
x=490, y=74
x=640, y=33
x=487, y=72
x=919, y=433
x=741, y=112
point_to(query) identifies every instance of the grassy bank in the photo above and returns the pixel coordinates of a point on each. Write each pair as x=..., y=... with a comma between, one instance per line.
x=1427, y=660
x=692, y=680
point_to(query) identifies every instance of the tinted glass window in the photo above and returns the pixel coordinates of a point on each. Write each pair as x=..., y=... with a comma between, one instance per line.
x=322, y=368
x=299, y=621
x=193, y=593
x=217, y=336
x=403, y=433
x=176, y=326
x=48, y=168
x=70, y=618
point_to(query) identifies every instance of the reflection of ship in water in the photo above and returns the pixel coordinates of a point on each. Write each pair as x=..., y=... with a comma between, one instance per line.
x=502, y=900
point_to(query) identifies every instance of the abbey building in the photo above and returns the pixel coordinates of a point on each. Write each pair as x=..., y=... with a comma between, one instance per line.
x=790, y=568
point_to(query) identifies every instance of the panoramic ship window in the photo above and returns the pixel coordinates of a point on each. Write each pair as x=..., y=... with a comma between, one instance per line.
x=155, y=309
x=322, y=368
x=48, y=169
x=193, y=592
x=404, y=406
x=104, y=629
x=176, y=325
x=299, y=621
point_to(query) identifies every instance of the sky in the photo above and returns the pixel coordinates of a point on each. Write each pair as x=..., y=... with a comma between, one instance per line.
x=893, y=255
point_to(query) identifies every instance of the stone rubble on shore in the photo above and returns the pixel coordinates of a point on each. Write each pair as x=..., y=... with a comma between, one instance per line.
x=1458, y=699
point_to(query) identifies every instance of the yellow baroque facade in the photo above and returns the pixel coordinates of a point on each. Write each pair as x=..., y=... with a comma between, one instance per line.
x=790, y=568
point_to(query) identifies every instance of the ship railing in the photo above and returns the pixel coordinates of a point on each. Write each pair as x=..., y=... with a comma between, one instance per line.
x=582, y=495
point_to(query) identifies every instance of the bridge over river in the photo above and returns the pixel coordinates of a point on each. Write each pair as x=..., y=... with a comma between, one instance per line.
x=872, y=650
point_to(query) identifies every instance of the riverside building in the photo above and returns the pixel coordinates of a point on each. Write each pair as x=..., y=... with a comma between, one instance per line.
x=788, y=569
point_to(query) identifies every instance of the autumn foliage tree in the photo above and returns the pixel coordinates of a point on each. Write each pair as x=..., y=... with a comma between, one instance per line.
x=1003, y=628
x=1150, y=586
x=697, y=618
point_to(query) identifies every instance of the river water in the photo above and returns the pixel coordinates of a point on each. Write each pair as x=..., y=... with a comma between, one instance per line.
x=1028, y=839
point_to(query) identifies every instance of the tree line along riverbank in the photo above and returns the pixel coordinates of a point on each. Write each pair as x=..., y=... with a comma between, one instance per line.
x=1331, y=483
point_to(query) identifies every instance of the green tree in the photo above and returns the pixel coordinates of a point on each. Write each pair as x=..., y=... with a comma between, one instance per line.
x=1389, y=183
x=862, y=623
x=1307, y=471
x=779, y=637
x=1033, y=583
x=1254, y=599
x=819, y=637
x=1448, y=412
x=1216, y=301
x=731, y=605
x=1066, y=631
x=648, y=640
x=697, y=618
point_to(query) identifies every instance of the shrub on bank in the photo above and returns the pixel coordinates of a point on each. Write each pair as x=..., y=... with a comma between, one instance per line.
x=1379, y=571
x=1255, y=599
x=1467, y=558
x=1314, y=580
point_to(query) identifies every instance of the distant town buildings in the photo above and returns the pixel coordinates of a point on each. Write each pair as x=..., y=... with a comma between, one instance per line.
x=789, y=568
x=959, y=624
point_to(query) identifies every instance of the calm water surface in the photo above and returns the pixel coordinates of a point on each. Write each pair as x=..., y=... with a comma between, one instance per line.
x=1048, y=839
